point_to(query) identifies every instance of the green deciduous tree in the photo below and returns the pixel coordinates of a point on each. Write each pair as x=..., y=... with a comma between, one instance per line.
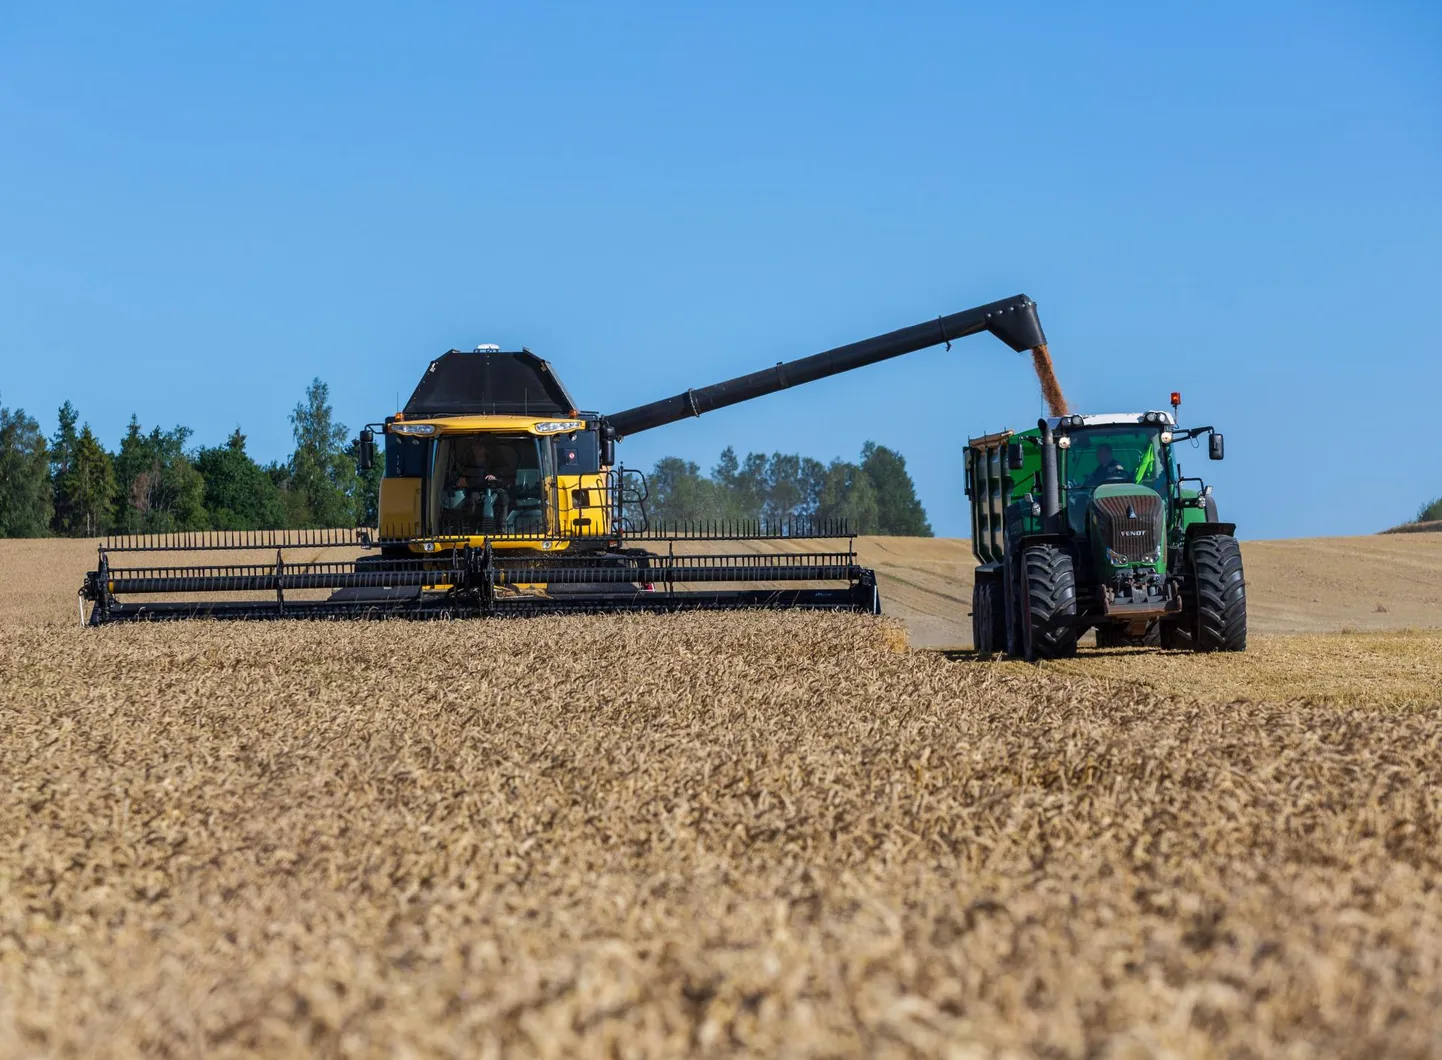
x=874, y=496
x=322, y=483
x=26, y=500
x=680, y=494
x=846, y=495
x=898, y=511
x=158, y=488
x=1430, y=512
x=239, y=494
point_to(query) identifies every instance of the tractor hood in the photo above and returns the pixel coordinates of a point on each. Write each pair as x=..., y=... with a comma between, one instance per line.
x=1128, y=526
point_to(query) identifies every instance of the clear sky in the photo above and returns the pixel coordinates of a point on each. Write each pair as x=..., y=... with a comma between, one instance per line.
x=202, y=206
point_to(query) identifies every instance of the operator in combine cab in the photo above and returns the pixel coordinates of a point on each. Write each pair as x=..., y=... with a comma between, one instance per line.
x=1108, y=469
x=481, y=479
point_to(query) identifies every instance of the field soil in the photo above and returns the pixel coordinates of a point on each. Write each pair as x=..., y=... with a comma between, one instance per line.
x=717, y=835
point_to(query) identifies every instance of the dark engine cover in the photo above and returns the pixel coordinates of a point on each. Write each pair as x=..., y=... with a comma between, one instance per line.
x=1129, y=521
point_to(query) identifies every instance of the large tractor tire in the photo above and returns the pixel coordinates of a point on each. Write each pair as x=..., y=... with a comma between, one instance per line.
x=1214, y=599
x=1048, y=603
x=1221, y=592
x=988, y=615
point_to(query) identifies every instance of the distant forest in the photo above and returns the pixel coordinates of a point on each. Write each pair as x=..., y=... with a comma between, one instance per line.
x=70, y=484
x=875, y=495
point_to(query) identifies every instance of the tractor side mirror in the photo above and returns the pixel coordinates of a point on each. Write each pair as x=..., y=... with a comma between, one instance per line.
x=608, y=446
x=366, y=449
x=1014, y=456
x=1216, y=447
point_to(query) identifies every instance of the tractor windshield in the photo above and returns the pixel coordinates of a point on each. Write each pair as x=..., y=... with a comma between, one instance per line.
x=490, y=484
x=1101, y=455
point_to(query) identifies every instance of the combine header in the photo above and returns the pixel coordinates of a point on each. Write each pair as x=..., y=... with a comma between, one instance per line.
x=499, y=496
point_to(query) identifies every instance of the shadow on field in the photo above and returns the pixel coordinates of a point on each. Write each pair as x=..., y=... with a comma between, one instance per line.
x=971, y=655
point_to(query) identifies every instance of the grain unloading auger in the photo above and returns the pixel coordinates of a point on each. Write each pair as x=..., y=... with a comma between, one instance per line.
x=500, y=496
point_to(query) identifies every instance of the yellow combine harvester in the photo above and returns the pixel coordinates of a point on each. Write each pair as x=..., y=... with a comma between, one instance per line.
x=499, y=495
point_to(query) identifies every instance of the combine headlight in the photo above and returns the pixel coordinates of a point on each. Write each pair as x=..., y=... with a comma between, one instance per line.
x=1072, y=421
x=557, y=426
x=1166, y=437
x=1064, y=442
x=413, y=428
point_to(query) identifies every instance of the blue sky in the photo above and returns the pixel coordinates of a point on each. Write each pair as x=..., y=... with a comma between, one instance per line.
x=202, y=206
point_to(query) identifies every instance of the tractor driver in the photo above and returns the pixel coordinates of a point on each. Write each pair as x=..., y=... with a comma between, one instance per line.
x=1108, y=469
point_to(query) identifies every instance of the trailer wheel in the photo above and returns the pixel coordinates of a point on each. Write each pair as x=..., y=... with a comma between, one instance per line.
x=1049, y=604
x=988, y=616
x=1221, y=594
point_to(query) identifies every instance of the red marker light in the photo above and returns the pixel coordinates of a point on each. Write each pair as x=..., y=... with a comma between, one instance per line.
x=1176, y=397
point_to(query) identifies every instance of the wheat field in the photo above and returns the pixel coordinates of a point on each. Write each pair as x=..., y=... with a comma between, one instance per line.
x=716, y=835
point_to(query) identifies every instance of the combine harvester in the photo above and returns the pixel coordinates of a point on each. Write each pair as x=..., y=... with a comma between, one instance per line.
x=500, y=496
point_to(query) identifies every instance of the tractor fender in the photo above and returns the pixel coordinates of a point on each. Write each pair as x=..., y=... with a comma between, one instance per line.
x=1195, y=530
x=1028, y=540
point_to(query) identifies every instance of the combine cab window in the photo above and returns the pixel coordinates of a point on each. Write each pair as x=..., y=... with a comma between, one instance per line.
x=491, y=484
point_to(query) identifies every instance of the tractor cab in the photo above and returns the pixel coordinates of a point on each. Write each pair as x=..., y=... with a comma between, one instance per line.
x=1113, y=455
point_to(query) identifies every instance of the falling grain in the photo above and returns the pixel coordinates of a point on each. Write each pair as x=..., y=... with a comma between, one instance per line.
x=1046, y=375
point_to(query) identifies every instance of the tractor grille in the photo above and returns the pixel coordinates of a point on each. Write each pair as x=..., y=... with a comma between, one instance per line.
x=1130, y=526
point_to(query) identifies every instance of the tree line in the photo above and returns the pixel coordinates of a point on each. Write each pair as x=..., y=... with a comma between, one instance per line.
x=70, y=484
x=874, y=495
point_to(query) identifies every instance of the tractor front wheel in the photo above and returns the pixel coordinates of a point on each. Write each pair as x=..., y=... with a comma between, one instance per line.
x=1214, y=599
x=1221, y=594
x=1048, y=603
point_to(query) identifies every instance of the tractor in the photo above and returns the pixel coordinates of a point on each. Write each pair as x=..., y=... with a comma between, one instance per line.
x=1087, y=522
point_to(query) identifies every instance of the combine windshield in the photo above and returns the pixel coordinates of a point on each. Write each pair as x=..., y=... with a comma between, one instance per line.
x=1130, y=455
x=490, y=484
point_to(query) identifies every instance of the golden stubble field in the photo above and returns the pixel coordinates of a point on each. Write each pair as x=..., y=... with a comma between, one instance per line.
x=777, y=834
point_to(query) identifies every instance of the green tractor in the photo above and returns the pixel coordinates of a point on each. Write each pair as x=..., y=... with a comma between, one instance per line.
x=1086, y=522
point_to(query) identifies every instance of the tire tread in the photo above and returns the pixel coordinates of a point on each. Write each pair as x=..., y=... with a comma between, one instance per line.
x=1050, y=602
x=1221, y=594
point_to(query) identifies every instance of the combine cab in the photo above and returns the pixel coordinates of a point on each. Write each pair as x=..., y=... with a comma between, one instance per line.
x=1087, y=522
x=501, y=496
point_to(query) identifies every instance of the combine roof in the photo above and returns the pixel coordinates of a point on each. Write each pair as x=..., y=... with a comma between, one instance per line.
x=459, y=383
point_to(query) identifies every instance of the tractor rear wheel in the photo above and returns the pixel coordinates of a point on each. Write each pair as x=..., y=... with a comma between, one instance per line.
x=988, y=616
x=1048, y=603
x=1221, y=594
